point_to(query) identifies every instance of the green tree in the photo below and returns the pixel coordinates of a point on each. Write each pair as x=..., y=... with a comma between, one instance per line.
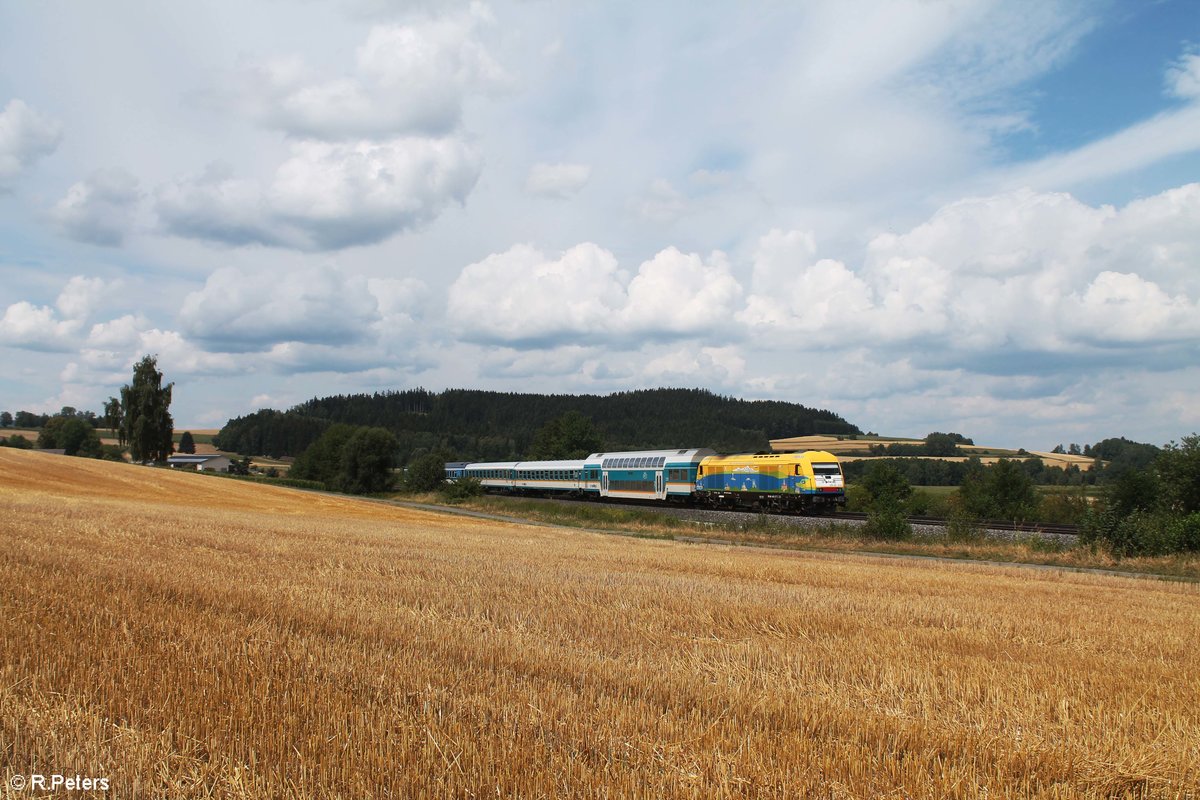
x=72, y=435
x=941, y=444
x=888, y=492
x=570, y=436
x=425, y=473
x=114, y=419
x=973, y=498
x=1010, y=490
x=366, y=461
x=187, y=444
x=26, y=419
x=18, y=441
x=6, y=419
x=1178, y=468
x=147, y=425
x=322, y=460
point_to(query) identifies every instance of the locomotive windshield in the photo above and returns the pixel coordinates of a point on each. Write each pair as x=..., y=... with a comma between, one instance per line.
x=826, y=469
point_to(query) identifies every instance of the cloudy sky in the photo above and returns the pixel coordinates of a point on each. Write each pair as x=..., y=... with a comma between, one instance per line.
x=969, y=215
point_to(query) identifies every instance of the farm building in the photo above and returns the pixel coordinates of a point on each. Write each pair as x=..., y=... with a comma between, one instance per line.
x=216, y=463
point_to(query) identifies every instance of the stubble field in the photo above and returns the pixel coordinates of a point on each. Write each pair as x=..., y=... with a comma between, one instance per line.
x=189, y=636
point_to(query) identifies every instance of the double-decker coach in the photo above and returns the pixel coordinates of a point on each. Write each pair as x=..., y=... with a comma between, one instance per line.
x=646, y=474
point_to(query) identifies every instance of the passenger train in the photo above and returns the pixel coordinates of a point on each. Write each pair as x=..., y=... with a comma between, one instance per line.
x=809, y=482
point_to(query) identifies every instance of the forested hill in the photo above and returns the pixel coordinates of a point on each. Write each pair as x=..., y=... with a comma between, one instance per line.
x=479, y=425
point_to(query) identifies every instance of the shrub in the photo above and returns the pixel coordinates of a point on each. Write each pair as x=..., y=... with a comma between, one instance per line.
x=425, y=474
x=1066, y=508
x=460, y=490
x=888, y=524
x=111, y=452
x=888, y=492
x=1141, y=533
x=367, y=459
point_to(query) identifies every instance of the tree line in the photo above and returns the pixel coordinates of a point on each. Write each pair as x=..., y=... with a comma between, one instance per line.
x=1113, y=457
x=1143, y=509
x=498, y=426
x=140, y=418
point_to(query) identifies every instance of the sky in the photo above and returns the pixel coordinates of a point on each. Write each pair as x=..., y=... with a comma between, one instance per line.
x=979, y=216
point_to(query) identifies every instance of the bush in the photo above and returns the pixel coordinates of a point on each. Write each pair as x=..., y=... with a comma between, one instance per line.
x=962, y=527
x=349, y=459
x=1142, y=533
x=110, y=452
x=367, y=459
x=887, y=493
x=857, y=498
x=425, y=474
x=460, y=490
x=1066, y=508
x=888, y=524
x=19, y=442
x=1187, y=535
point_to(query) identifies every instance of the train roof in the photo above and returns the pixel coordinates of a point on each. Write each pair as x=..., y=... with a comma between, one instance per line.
x=561, y=464
x=681, y=454
x=806, y=455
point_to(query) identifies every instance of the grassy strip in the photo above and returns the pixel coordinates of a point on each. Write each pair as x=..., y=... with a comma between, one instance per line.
x=831, y=535
x=295, y=483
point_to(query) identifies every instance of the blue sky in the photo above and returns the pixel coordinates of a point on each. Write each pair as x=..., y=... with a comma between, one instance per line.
x=966, y=215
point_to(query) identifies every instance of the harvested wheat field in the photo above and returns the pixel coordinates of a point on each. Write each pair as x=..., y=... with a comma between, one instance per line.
x=189, y=636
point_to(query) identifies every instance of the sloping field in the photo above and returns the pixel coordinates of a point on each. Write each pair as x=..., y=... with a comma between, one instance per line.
x=831, y=444
x=189, y=636
x=1064, y=460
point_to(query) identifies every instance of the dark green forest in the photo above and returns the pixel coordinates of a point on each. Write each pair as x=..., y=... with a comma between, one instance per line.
x=499, y=426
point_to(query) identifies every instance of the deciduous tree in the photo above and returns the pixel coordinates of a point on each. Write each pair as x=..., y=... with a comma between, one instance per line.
x=146, y=403
x=1179, y=474
x=570, y=436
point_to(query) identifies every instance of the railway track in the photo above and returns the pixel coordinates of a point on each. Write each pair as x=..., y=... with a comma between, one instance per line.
x=1055, y=529
x=712, y=516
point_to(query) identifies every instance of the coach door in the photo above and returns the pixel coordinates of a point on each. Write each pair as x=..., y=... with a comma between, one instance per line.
x=658, y=485
x=604, y=483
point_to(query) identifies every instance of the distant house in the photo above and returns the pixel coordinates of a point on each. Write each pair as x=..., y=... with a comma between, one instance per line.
x=216, y=463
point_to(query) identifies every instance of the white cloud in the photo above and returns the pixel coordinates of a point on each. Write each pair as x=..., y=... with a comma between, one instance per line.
x=1167, y=134
x=80, y=297
x=408, y=79
x=994, y=280
x=33, y=327
x=557, y=180
x=99, y=209
x=660, y=203
x=522, y=295
x=559, y=361
x=1183, y=77
x=238, y=313
x=25, y=137
x=1121, y=307
x=705, y=366
x=677, y=293
x=326, y=196
x=216, y=206
x=118, y=333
